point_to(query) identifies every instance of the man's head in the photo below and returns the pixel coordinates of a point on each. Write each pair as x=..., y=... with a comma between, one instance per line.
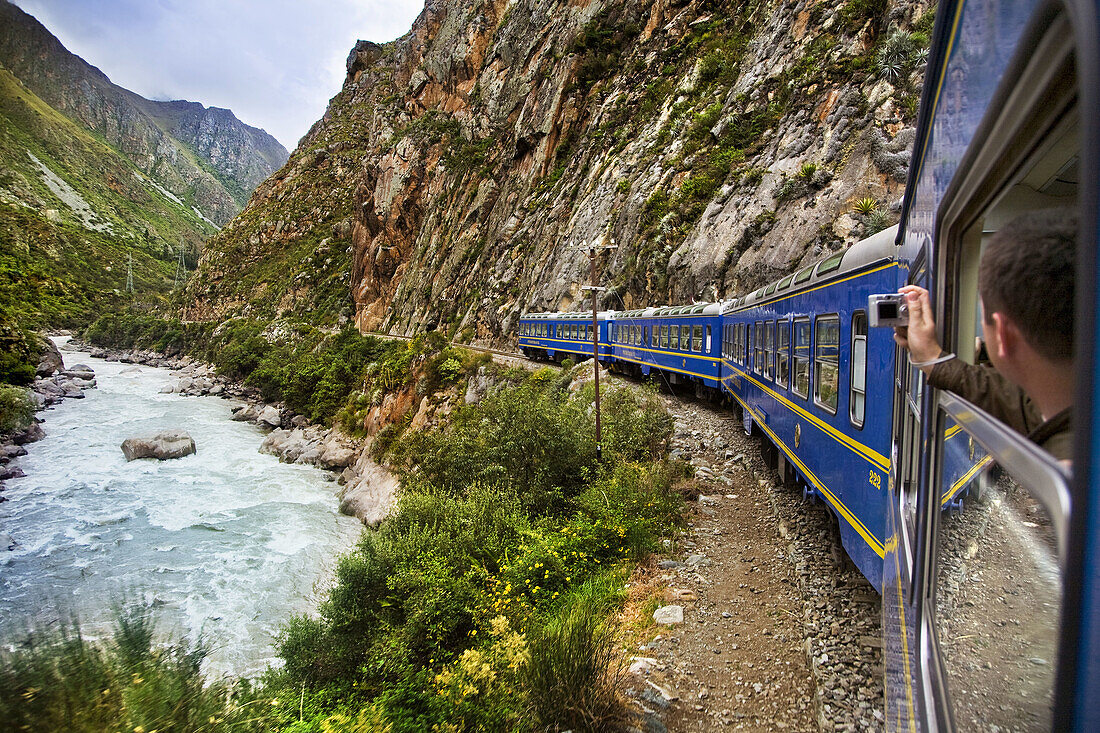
x=1026, y=283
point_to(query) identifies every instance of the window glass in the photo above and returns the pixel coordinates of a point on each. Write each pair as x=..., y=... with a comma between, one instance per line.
x=826, y=362
x=769, y=350
x=858, y=379
x=707, y=345
x=801, y=357
x=697, y=338
x=758, y=348
x=782, y=354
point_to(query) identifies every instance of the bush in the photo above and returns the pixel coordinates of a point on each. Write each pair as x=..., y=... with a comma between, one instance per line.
x=574, y=672
x=16, y=409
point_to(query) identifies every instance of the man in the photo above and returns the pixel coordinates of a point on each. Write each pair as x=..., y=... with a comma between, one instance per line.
x=1025, y=280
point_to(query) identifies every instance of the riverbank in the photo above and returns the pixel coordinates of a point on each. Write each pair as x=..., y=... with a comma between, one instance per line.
x=367, y=491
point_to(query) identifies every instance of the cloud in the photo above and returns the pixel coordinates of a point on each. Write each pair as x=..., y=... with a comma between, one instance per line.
x=275, y=63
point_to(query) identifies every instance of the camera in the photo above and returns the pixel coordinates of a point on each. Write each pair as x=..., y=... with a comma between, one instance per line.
x=887, y=311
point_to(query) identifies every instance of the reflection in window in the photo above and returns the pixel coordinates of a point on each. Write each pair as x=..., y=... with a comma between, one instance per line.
x=998, y=602
x=769, y=349
x=801, y=357
x=858, y=379
x=826, y=355
x=783, y=338
x=697, y=338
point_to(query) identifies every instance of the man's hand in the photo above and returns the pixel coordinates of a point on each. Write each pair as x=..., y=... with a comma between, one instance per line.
x=919, y=337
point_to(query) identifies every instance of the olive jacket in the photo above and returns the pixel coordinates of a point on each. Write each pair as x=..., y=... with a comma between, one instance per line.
x=987, y=389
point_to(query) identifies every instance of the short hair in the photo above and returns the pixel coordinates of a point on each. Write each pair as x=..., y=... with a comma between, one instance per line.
x=1027, y=273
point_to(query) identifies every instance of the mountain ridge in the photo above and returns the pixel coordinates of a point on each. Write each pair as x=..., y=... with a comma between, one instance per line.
x=211, y=160
x=719, y=147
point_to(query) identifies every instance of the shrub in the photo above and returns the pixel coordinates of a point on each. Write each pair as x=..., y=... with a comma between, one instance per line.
x=16, y=409
x=574, y=673
x=865, y=206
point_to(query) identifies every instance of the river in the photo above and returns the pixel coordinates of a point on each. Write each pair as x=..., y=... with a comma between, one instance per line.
x=227, y=543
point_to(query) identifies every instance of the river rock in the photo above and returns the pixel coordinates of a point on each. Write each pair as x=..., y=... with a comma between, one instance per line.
x=371, y=495
x=271, y=416
x=334, y=454
x=244, y=413
x=50, y=362
x=31, y=435
x=164, y=445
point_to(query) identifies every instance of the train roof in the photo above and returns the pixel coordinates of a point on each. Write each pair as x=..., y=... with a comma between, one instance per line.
x=695, y=309
x=570, y=316
x=874, y=248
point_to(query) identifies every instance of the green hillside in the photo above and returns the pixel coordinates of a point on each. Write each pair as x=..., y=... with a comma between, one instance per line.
x=73, y=213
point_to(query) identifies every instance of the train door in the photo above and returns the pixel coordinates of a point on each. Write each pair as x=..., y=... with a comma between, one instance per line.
x=989, y=586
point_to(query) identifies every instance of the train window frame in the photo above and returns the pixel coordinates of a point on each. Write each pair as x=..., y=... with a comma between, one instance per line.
x=830, y=264
x=857, y=370
x=758, y=347
x=708, y=345
x=805, y=360
x=697, y=338
x=769, y=350
x=804, y=274
x=785, y=283
x=783, y=353
x=820, y=362
x=1037, y=99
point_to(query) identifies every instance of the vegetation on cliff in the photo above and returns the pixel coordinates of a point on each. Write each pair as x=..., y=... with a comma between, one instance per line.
x=719, y=145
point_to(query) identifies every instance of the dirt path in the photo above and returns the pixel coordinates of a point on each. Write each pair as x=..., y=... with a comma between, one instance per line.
x=779, y=631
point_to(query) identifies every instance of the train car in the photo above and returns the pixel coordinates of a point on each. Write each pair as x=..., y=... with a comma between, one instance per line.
x=557, y=336
x=797, y=355
x=679, y=344
x=814, y=381
x=991, y=616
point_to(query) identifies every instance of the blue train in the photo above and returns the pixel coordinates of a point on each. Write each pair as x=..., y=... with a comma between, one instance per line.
x=991, y=614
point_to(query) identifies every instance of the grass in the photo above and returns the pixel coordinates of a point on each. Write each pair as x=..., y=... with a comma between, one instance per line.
x=61, y=680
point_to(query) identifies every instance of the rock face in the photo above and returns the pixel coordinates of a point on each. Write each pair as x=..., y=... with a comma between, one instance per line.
x=719, y=145
x=163, y=446
x=176, y=144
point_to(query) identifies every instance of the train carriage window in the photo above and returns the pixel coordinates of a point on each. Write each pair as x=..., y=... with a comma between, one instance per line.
x=769, y=349
x=743, y=356
x=830, y=264
x=697, y=338
x=803, y=275
x=758, y=348
x=801, y=358
x=785, y=283
x=998, y=652
x=826, y=362
x=857, y=403
x=708, y=345
x=782, y=354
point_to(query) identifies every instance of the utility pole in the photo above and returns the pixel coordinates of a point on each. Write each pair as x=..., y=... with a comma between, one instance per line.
x=598, y=244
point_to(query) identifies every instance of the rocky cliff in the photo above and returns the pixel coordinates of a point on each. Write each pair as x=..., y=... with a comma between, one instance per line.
x=205, y=157
x=717, y=144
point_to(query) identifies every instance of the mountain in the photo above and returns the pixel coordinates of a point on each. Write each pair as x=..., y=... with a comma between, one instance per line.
x=206, y=157
x=719, y=145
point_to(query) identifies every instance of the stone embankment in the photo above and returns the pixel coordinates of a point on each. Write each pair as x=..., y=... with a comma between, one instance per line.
x=367, y=490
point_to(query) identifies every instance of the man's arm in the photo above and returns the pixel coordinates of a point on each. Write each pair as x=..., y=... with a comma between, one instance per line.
x=983, y=386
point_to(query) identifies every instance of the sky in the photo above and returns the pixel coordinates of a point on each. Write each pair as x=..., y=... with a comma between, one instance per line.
x=274, y=63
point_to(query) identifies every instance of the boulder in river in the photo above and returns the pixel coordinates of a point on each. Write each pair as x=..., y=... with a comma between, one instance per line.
x=50, y=361
x=162, y=446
